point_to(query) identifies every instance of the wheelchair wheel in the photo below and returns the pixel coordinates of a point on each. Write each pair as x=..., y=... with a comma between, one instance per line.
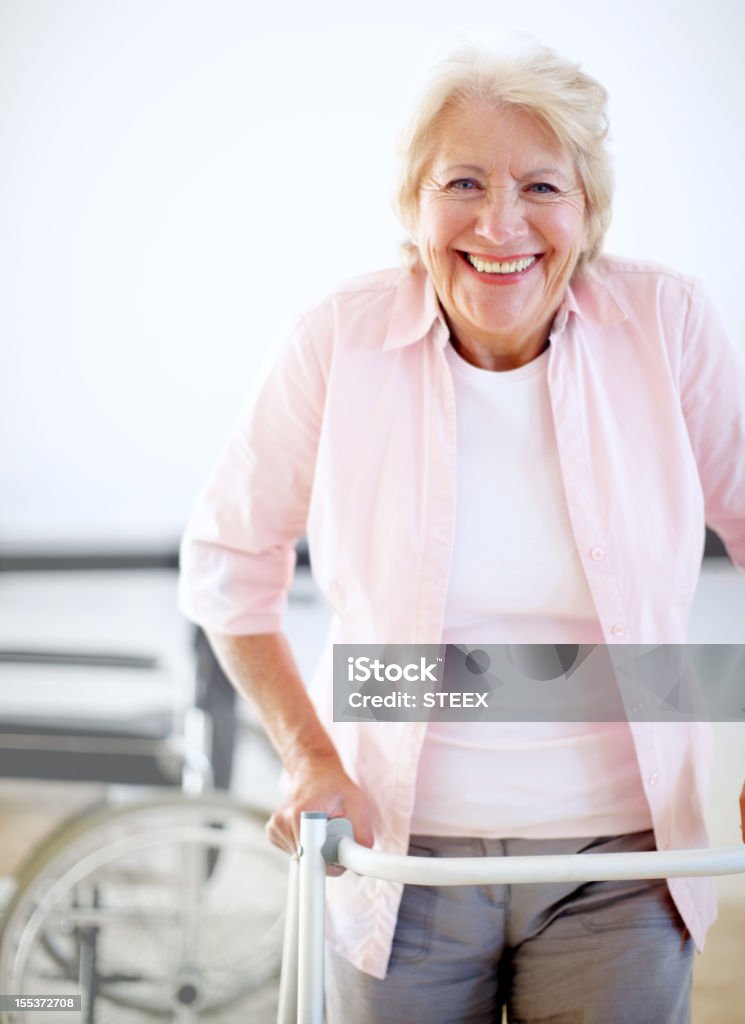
x=168, y=908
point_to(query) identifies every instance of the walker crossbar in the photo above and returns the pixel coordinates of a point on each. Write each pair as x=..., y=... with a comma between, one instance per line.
x=577, y=867
x=325, y=842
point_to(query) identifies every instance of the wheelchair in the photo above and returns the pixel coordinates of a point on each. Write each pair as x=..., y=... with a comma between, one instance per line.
x=157, y=906
x=162, y=900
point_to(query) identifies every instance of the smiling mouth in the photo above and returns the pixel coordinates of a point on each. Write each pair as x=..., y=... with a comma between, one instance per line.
x=501, y=267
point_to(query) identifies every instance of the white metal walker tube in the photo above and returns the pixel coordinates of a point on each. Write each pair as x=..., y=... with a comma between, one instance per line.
x=574, y=867
x=340, y=848
x=287, y=1005
x=311, y=918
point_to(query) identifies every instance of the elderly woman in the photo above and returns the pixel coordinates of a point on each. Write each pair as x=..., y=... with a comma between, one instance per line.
x=513, y=439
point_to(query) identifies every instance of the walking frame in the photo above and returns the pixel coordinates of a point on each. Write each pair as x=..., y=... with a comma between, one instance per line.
x=325, y=842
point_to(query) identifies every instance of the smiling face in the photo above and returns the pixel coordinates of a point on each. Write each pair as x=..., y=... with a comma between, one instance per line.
x=500, y=227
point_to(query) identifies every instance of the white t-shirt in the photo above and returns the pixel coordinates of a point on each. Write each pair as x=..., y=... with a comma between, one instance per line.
x=517, y=578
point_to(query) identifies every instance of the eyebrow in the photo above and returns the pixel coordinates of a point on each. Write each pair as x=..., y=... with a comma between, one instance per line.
x=533, y=173
x=547, y=170
x=465, y=167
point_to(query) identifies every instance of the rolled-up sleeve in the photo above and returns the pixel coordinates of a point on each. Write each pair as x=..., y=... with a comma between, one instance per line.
x=238, y=551
x=713, y=397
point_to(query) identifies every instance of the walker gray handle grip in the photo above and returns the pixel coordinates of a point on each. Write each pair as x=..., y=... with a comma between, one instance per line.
x=336, y=830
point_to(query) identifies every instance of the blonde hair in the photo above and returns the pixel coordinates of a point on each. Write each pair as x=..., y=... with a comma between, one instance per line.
x=536, y=80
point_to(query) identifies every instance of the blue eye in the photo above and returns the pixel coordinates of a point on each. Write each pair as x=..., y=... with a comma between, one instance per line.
x=542, y=188
x=463, y=185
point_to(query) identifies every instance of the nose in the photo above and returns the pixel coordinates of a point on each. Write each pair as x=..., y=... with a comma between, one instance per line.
x=501, y=217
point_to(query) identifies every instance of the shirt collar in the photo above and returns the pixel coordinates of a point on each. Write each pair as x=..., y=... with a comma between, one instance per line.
x=589, y=298
x=416, y=308
x=415, y=311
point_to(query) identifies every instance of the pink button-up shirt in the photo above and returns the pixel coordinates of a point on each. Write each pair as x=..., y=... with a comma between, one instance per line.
x=351, y=440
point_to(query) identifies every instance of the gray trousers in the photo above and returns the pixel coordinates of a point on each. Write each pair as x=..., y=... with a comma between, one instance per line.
x=565, y=953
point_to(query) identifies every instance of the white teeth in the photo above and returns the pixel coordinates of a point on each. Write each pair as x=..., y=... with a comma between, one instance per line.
x=487, y=267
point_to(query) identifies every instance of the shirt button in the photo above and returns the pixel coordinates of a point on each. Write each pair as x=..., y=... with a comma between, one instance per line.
x=653, y=778
x=597, y=554
x=618, y=629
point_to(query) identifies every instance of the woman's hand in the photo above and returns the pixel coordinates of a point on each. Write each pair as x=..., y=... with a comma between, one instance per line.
x=319, y=783
x=262, y=668
x=742, y=812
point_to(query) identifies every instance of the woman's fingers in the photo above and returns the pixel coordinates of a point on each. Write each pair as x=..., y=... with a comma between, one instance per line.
x=331, y=792
x=283, y=830
x=742, y=812
x=280, y=833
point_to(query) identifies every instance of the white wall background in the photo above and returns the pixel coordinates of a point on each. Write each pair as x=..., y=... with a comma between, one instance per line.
x=177, y=176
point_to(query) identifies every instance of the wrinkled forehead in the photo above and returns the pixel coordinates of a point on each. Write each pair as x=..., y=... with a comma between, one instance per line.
x=487, y=136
